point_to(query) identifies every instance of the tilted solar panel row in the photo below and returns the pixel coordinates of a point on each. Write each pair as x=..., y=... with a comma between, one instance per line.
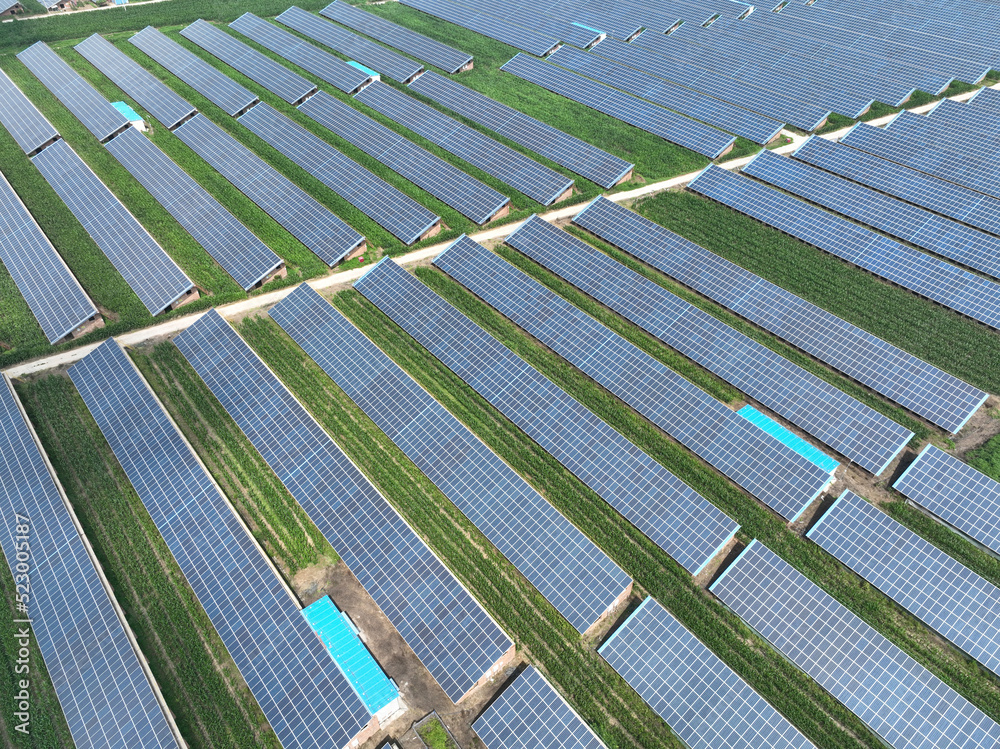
x=449, y=631
x=671, y=127
x=922, y=274
x=960, y=203
x=152, y=94
x=511, y=167
x=372, y=55
x=521, y=15
x=781, y=478
x=300, y=689
x=576, y=155
x=417, y=45
x=98, y=679
x=702, y=699
x=22, y=119
x=320, y=63
x=447, y=183
x=671, y=514
x=258, y=67
x=483, y=23
x=855, y=430
x=986, y=98
x=919, y=227
x=400, y=214
x=955, y=492
x=218, y=88
x=54, y=296
x=928, y=16
x=973, y=145
x=531, y=714
x=616, y=21
x=686, y=101
x=895, y=696
x=948, y=597
x=304, y=218
x=939, y=397
x=962, y=115
x=231, y=244
x=148, y=270
x=576, y=577
x=69, y=87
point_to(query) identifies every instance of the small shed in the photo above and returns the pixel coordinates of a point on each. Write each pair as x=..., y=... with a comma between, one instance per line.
x=131, y=115
x=8, y=8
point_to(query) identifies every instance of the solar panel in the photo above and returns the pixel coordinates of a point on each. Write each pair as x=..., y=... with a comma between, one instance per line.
x=948, y=597
x=232, y=245
x=416, y=45
x=895, y=696
x=438, y=618
x=671, y=514
x=917, y=226
x=965, y=116
x=528, y=16
x=304, y=218
x=22, y=119
x=53, y=294
x=404, y=217
x=146, y=267
x=69, y=87
x=576, y=155
x=320, y=63
x=857, y=431
x=259, y=68
x=575, y=576
x=490, y=26
x=218, y=88
x=98, y=679
x=447, y=183
x=922, y=274
x=968, y=206
x=701, y=698
x=152, y=94
x=926, y=390
x=936, y=134
x=686, y=101
x=671, y=127
x=531, y=714
x=955, y=492
x=509, y=166
x=987, y=99
x=304, y=696
x=372, y=55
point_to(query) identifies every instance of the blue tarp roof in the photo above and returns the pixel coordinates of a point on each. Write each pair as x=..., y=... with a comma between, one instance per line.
x=125, y=109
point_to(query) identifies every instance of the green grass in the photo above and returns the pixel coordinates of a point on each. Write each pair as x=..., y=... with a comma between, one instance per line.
x=986, y=458
x=434, y=735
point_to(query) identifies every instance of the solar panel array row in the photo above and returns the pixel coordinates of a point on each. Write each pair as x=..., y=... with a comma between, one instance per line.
x=437, y=617
x=924, y=130
x=152, y=94
x=369, y=54
x=672, y=127
x=55, y=297
x=955, y=492
x=964, y=116
x=509, y=166
x=232, y=245
x=488, y=25
x=917, y=226
x=404, y=217
x=616, y=21
x=22, y=119
x=987, y=99
x=416, y=45
x=304, y=696
x=576, y=577
x=146, y=267
x=926, y=390
x=935, y=279
x=671, y=514
x=701, y=698
x=320, y=63
x=258, y=67
x=100, y=684
x=948, y=597
x=960, y=203
x=69, y=87
x=531, y=714
x=527, y=16
x=304, y=218
x=687, y=101
x=211, y=83
x=857, y=431
x=447, y=183
x=895, y=696
x=576, y=155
